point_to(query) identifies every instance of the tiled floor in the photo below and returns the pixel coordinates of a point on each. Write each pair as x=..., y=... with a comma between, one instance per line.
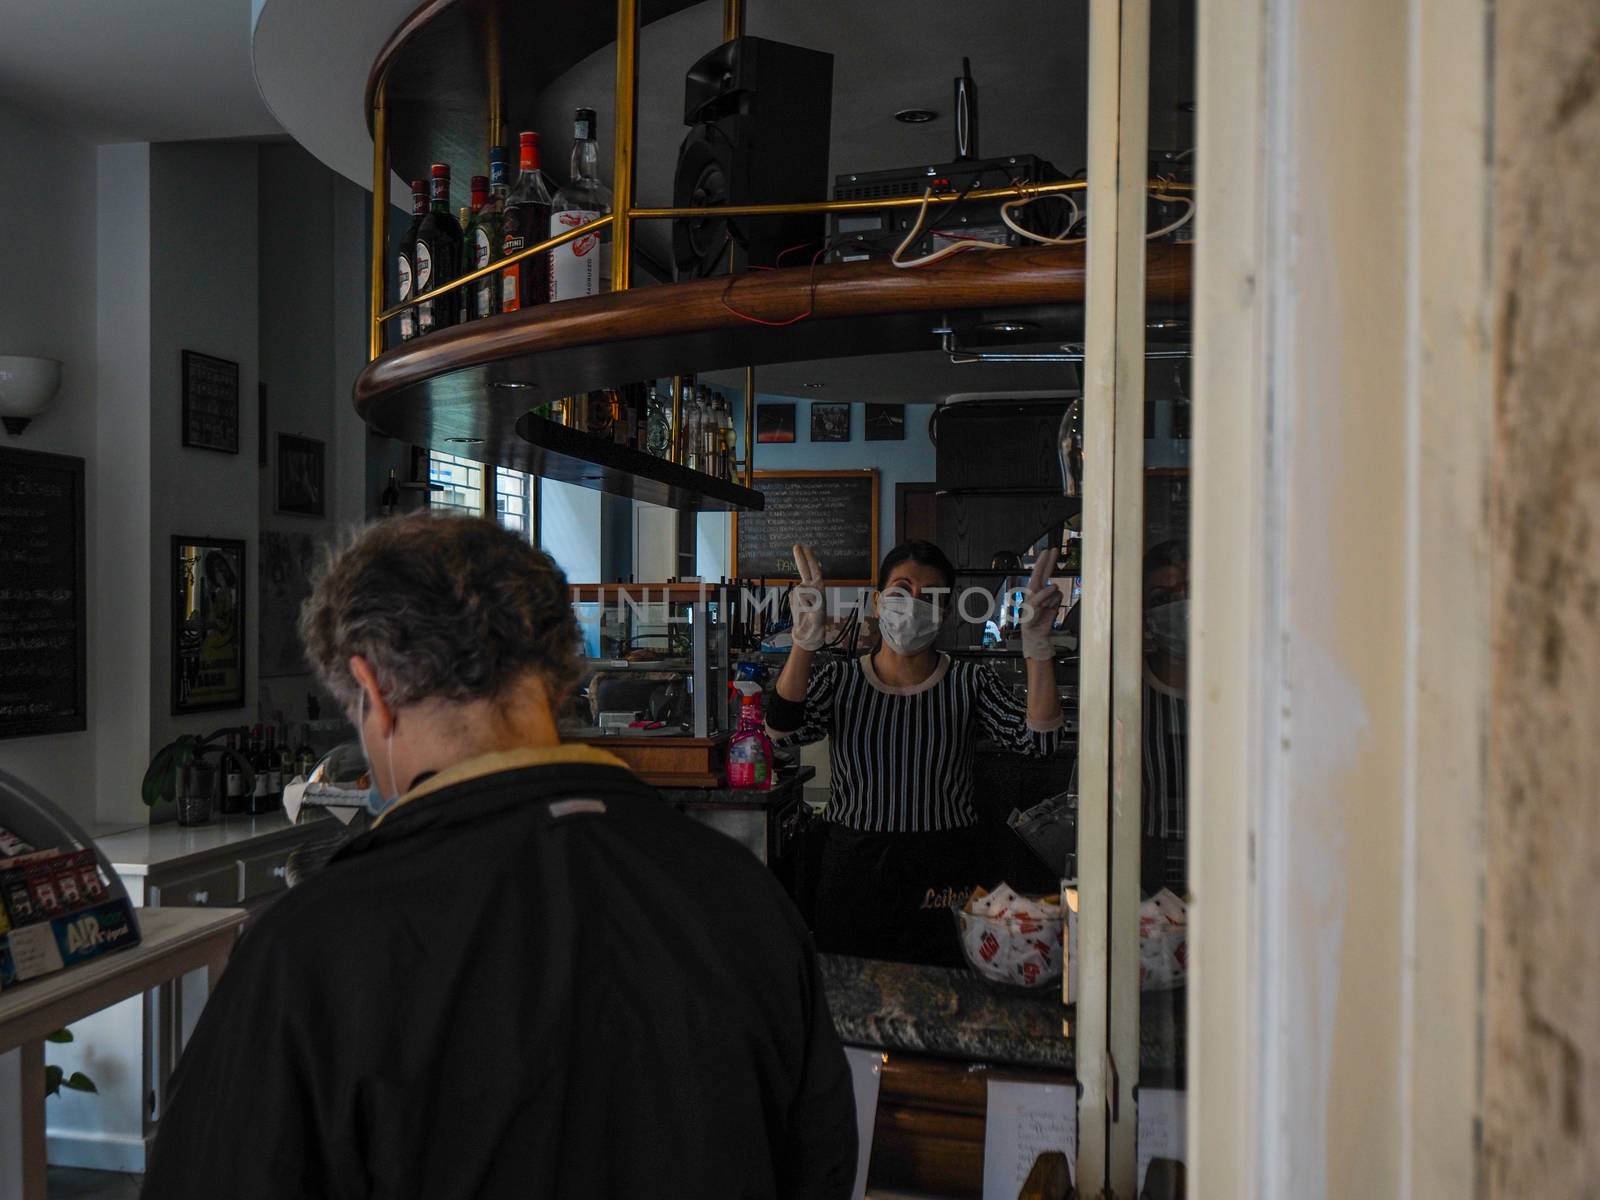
x=67, y=1183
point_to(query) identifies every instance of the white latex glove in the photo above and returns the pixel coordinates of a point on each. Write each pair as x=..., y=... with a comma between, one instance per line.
x=1040, y=604
x=806, y=601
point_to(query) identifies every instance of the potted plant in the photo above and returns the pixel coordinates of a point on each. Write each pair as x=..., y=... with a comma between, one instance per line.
x=55, y=1078
x=171, y=772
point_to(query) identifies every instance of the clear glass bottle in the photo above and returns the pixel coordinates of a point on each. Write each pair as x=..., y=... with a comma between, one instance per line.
x=582, y=267
x=658, y=437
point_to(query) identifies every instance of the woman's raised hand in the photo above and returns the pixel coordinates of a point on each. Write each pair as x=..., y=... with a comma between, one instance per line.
x=806, y=602
x=1040, y=605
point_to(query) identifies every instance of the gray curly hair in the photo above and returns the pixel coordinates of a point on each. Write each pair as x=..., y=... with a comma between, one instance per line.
x=443, y=607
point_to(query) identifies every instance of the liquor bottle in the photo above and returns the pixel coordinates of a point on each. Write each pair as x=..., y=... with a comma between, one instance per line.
x=711, y=435
x=274, y=770
x=730, y=441
x=581, y=267
x=438, y=255
x=389, y=502
x=408, y=250
x=622, y=423
x=233, y=778
x=305, y=759
x=693, y=419
x=286, y=754
x=527, y=216
x=658, y=435
x=483, y=238
x=258, y=763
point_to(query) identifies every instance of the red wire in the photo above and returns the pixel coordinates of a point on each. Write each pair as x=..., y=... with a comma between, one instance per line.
x=811, y=305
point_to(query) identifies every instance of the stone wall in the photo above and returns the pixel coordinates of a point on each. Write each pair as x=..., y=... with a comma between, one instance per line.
x=1542, y=938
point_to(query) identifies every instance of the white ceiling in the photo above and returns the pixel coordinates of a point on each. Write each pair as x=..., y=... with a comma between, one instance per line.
x=133, y=70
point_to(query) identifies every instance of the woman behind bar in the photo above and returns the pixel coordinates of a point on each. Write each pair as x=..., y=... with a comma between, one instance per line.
x=900, y=848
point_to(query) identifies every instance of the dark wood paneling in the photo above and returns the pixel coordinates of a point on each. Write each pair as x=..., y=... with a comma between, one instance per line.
x=1000, y=444
x=930, y=1123
x=916, y=512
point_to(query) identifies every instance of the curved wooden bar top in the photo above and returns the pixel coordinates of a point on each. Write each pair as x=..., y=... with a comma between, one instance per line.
x=465, y=388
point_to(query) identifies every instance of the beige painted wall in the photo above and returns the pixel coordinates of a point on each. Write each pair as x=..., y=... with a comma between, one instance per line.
x=1542, y=944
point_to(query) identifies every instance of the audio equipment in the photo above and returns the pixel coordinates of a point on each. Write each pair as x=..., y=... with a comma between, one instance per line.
x=759, y=114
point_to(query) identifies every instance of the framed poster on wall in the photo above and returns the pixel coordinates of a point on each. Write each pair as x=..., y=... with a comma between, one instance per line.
x=210, y=403
x=208, y=624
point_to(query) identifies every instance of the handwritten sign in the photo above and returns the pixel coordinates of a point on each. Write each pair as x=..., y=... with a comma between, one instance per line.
x=833, y=512
x=43, y=634
x=1024, y=1121
x=1161, y=1115
x=210, y=402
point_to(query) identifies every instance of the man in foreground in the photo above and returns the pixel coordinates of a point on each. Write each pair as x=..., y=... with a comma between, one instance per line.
x=530, y=978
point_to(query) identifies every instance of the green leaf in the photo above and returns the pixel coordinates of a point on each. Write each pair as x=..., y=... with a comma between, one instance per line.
x=52, y=1081
x=59, y=1036
x=158, y=777
x=79, y=1082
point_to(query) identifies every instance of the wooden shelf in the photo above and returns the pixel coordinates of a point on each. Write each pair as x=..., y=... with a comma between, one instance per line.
x=469, y=389
x=557, y=452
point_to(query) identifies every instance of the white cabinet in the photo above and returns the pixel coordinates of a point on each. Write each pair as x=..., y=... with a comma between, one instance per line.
x=129, y=1050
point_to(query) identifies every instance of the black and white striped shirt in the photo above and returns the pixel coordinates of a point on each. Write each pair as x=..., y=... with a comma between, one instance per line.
x=901, y=757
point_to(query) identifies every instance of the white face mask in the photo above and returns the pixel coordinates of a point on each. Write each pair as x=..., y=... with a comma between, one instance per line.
x=909, y=626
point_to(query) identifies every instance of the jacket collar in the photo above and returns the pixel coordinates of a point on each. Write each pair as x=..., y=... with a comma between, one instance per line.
x=499, y=761
x=493, y=794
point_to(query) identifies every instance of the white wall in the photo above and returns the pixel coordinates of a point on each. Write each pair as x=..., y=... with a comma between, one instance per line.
x=569, y=529
x=47, y=307
x=203, y=289
x=121, y=668
x=312, y=336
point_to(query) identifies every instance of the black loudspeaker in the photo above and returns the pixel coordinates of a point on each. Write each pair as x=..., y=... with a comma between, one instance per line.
x=759, y=114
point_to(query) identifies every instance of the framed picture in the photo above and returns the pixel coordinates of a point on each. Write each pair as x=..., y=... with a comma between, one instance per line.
x=210, y=403
x=774, y=423
x=885, y=422
x=830, y=422
x=44, y=634
x=208, y=624
x=300, y=476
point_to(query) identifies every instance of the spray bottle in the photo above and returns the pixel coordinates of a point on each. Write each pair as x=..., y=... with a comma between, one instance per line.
x=750, y=751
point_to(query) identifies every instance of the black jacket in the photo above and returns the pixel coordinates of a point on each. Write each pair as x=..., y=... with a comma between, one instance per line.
x=494, y=994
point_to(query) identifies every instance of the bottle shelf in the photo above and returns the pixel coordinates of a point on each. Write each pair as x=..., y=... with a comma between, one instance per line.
x=470, y=389
x=556, y=451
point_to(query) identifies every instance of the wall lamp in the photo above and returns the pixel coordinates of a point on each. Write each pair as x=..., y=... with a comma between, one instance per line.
x=28, y=388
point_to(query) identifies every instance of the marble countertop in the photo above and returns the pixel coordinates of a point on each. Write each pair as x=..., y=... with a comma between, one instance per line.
x=135, y=851
x=788, y=782
x=954, y=1013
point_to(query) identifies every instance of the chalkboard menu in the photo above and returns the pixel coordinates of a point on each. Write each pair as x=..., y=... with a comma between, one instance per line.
x=43, y=636
x=834, y=512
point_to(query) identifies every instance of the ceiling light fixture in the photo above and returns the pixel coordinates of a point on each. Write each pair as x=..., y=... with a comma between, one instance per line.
x=511, y=384
x=1007, y=326
x=915, y=116
x=460, y=441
